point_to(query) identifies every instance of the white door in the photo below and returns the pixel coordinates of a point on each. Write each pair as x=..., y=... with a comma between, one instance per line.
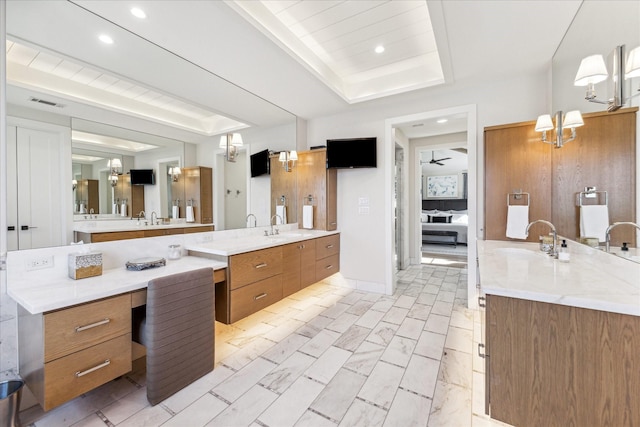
x=39, y=221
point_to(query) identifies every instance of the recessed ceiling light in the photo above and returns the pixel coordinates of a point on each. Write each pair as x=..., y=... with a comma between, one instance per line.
x=442, y=121
x=138, y=13
x=379, y=49
x=105, y=39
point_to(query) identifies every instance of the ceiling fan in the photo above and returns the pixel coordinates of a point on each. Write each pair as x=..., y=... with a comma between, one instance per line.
x=435, y=161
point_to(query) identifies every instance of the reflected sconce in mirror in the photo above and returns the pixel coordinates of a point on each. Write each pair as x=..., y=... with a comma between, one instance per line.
x=593, y=70
x=230, y=142
x=288, y=159
x=115, y=165
x=571, y=120
x=74, y=184
x=175, y=171
x=113, y=179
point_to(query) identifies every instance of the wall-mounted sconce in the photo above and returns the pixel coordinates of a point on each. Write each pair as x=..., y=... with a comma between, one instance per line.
x=593, y=70
x=288, y=159
x=571, y=120
x=230, y=142
x=113, y=180
x=115, y=165
x=74, y=184
x=175, y=171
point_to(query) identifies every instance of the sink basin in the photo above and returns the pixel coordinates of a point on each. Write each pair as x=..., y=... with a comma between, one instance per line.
x=521, y=253
x=296, y=234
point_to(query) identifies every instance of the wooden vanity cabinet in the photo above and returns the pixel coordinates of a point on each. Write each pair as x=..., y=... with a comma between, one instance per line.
x=198, y=189
x=67, y=352
x=327, y=256
x=133, y=194
x=87, y=193
x=321, y=183
x=299, y=266
x=255, y=282
x=137, y=234
x=551, y=364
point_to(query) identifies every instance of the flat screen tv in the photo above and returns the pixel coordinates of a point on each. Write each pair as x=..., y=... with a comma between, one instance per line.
x=142, y=177
x=260, y=163
x=351, y=153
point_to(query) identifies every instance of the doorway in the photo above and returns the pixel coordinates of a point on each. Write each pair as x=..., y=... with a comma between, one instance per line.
x=466, y=116
x=398, y=210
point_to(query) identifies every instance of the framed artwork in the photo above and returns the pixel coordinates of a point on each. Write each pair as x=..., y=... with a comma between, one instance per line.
x=442, y=186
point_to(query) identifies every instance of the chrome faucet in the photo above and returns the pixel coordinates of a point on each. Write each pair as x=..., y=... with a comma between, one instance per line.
x=154, y=215
x=614, y=225
x=271, y=223
x=91, y=213
x=255, y=220
x=554, y=250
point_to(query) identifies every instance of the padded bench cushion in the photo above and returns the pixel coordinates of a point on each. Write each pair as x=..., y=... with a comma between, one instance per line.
x=179, y=331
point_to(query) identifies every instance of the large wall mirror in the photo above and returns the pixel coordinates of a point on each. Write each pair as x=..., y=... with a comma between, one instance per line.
x=136, y=102
x=598, y=28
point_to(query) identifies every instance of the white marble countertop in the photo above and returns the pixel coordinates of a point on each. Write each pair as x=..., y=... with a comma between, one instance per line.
x=107, y=226
x=39, y=296
x=592, y=279
x=253, y=243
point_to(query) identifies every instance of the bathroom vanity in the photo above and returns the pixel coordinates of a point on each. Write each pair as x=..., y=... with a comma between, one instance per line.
x=74, y=335
x=107, y=231
x=264, y=269
x=561, y=340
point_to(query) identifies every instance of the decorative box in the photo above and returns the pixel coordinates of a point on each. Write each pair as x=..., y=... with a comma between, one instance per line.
x=85, y=265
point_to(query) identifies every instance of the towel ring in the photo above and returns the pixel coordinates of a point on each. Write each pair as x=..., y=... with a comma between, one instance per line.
x=588, y=194
x=517, y=196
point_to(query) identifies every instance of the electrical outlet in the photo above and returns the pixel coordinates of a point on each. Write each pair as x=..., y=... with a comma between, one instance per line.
x=39, y=263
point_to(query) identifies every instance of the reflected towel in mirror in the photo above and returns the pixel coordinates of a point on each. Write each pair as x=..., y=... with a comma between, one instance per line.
x=190, y=215
x=517, y=221
x=307, y=217
x=175, y=212
x=594, y=220
x=123, y=209
x=281, y=211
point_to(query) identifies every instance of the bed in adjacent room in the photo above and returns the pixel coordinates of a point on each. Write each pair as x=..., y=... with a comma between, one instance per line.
x=444, y=221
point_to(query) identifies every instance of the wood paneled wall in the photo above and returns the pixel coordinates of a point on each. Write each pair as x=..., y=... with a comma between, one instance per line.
x=283, y=183
x=603, y=155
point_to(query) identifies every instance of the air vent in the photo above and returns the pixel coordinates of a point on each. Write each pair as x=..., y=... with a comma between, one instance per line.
x=45, y=102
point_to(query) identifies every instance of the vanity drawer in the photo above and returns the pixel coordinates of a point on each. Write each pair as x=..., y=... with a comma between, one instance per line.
x=82, y=326
x=70, y=376
x=254, y=297
x=163, y=232
x=327, y=246
x=250, y=267
x=327, y=266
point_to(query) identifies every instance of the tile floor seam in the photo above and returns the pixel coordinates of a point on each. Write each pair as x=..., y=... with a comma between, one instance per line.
x=104, y=419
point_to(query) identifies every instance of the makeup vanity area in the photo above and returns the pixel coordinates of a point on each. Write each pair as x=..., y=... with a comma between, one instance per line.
x=75, y=335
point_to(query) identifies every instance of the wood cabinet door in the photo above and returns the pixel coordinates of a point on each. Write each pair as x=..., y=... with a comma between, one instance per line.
x=307, y=263
x=291, y=255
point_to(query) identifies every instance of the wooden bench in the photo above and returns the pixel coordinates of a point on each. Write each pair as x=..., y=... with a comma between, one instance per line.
x=440, y=237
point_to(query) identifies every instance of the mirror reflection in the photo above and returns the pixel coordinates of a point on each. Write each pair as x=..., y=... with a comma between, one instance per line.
x=598, y=28
x=141, y=105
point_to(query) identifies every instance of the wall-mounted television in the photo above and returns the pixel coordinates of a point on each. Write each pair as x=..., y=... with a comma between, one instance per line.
x=142, y=177
x=352, y=153
x=260, y=163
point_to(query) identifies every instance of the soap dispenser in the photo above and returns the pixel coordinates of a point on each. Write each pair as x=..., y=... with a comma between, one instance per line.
x=624, y=250
x=563, y=254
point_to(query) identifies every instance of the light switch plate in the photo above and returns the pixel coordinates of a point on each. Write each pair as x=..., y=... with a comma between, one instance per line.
x=363, y=210
x=363, y=201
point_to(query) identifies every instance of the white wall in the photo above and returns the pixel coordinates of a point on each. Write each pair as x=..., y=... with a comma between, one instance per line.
x=362, y=250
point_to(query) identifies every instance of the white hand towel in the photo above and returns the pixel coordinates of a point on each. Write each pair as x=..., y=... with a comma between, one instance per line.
x=517, y=221
x=123, y=209
x=190, y=215
x=175, y=212
x=114, y=209
x=82, y=209
x=307, y=217
x=281, y=211
x=594, y=220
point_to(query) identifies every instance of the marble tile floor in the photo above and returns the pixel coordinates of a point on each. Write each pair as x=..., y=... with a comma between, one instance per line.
x=325, y=356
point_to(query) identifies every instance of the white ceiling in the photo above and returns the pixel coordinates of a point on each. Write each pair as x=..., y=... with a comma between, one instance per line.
x=476, y=41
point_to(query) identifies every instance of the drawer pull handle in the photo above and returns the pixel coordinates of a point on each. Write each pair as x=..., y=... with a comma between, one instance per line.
x=263, y=265
x=329, y=246
x=481, y=301
x=329, y=267
x=95, y=368
x=93, y=325
x=480, y=350
x=333, y=223
x=260, y=296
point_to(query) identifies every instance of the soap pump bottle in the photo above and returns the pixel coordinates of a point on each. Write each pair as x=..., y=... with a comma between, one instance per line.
x=563, y=254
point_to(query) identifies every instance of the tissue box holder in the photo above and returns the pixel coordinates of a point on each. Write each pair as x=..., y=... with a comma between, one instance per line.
x=86, y=265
